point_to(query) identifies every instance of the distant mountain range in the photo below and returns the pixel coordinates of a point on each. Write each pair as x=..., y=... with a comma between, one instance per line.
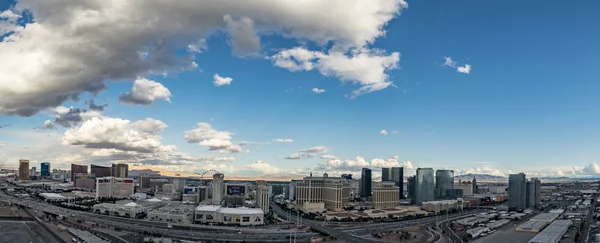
x=479, y=177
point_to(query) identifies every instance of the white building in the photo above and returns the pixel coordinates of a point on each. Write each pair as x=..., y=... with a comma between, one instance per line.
x=333, y=191
x=262, y=195
x=129, y=210
x=217, y=188
x=114, y=187
x=213, y=214
x=386, y=195
x=181, y=214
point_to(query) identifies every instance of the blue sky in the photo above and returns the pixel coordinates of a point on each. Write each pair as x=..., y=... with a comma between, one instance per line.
x=529, y=102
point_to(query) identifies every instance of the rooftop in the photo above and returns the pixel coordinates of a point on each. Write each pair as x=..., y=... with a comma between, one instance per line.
x=545, y=217
x=52, y=196
x=553, y=232
x=533, y=225
x=242, y=210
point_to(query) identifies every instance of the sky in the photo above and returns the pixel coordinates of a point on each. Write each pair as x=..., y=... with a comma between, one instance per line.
x=277, y=88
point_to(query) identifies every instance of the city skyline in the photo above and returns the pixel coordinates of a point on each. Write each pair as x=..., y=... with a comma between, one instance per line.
x=256, y=100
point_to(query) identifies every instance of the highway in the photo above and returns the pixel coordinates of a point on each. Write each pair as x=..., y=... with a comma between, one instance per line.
x=584, y=236
x=320, y=227
x=148, y=227
x=366, y=228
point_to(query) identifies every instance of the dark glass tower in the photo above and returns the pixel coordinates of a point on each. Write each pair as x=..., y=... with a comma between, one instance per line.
x=365, y=182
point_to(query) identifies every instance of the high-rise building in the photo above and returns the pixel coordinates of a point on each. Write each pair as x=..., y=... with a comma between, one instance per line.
x=292, y=193
x=533, y=194
x=23, y=169
x=217, y=188
x=347, y=176
x=85, y=180
x=385, y=174
x=424, y=185
x=411, y=188
x=33, y=171
x=262, y=196
x=517, y=189
x=101, y=171
x=114, y=187
x=444, y=184
x=385, y=195
x=366, y=182
x=397, y=176
x=120, y=170
x=332, y=191
x=45, y=169
x=178, y=184
x=78, y=169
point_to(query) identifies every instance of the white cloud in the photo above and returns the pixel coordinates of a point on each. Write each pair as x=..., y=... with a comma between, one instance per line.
x=338, y=166
x=309, y=152
x=145, y=92
x=9, y=15
x=283, y=140
x=327, y=156
x=48, y=125
x=244, y=38
x=383, y=132
x=198, y=47
x=74, y=47
x=451, y=63
x=317, y=90
x=114, y=133
x=216, y=140
x=150, y=125
x=263, y=167
x=466, y=69
x=481, y=170
x=365, y=67
x=220, y=81
x=315, y=150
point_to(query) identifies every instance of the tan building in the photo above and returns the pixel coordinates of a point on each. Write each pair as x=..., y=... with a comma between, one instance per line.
x=120, y=170
x=332, y=191
x=262, y=195
x=23, y=169
x=386, y=195
x=114, y=187
x=85, y=180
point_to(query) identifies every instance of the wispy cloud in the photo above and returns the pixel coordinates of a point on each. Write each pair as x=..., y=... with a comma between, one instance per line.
x=466, y=69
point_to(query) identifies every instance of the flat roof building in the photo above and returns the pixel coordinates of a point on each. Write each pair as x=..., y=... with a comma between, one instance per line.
x=23, y=169
x=386, y=195
x=100, y=171
x=181, y=214
x=553, y=233
x=333, y=191
x=234, y=216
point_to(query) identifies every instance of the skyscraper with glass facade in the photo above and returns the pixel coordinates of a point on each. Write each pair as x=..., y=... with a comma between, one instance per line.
x=45, y=169
x=517, y=189
x=365, y=182
x=444, y=184
x=424, y=185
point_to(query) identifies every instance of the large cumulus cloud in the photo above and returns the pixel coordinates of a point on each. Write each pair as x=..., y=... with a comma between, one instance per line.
x=73, y=47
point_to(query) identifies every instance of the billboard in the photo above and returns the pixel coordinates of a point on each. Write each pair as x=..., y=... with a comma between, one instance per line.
x=236, y=190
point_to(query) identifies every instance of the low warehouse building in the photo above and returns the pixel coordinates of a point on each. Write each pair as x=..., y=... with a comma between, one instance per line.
x=182, y=214
x=234, y=216
x=553, y=233
x=532, y=226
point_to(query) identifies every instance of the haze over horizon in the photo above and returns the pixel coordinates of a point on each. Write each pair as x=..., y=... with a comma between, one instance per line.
x=268, y=89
